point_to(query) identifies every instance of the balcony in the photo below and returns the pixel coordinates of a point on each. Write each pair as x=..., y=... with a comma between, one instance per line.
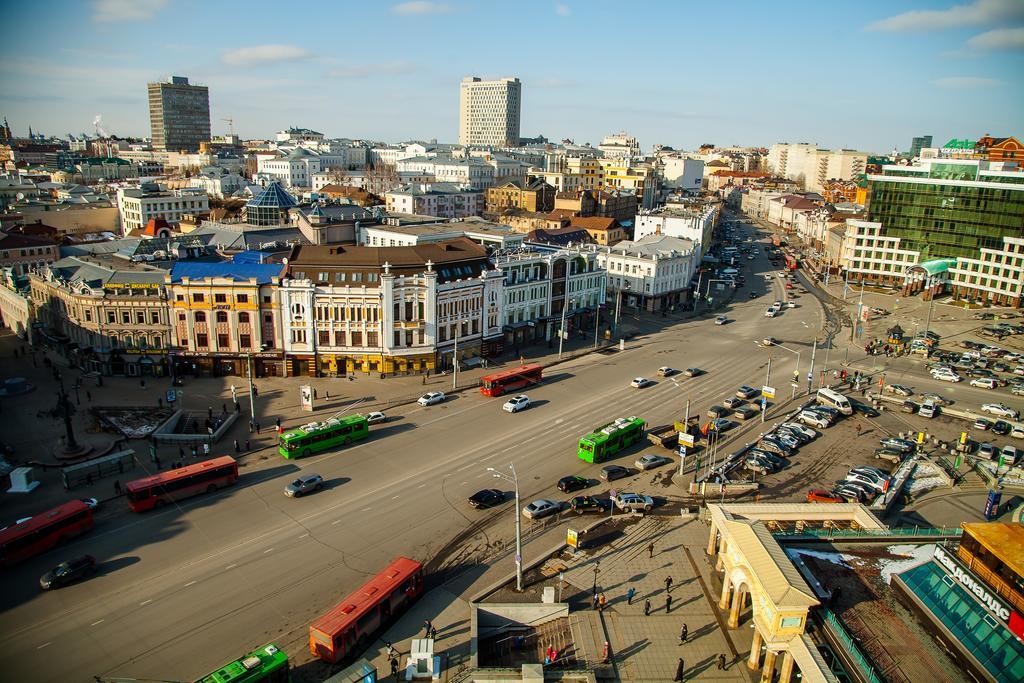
x=1001, y=587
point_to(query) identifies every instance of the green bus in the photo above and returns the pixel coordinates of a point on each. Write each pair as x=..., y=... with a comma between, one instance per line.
x=267, y=664
x=321, y=436
x=609, y=439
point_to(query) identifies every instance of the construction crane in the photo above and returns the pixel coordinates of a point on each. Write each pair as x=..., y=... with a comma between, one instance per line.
x=231, y=125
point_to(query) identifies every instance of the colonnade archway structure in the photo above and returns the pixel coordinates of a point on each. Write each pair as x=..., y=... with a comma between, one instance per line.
x=756, y=572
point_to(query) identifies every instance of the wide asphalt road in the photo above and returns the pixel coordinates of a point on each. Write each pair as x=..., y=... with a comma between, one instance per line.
x=187, y=588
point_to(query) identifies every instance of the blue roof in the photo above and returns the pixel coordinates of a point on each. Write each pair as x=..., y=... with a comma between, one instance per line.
x=251, y=256
x=273, y=196
x=197, y=270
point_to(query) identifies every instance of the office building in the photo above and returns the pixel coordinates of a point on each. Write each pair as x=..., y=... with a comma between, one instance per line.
x=918, y=143
x=812, y=166
x=489, y=112
x=179, y=114
x=138, y=204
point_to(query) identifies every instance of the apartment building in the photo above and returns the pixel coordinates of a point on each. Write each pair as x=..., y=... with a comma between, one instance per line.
x=108, y=315
x=694, y=222
x=444, y=200
x=138, y=204
x=224, y=316
x=472, y=172
x=812, y=166
x=995, y=276
x=525, y=195
x=23, y=253
x=489, y=112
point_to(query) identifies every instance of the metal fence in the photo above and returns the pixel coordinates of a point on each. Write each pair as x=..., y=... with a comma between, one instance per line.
x=864, y=665
x=899, y=532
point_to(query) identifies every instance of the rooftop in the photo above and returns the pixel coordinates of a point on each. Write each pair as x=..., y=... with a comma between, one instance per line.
x=654, y=246
x=264, y=273
x=1005, y=541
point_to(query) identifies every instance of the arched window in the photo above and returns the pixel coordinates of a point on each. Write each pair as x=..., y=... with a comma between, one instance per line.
x=143, y=342
x=222, y=317
x=129, y=342
x=243, y=318
x=200, y=317
x=157, y=342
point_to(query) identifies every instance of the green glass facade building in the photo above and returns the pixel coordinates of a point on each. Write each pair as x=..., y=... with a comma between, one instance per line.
x=947, y=208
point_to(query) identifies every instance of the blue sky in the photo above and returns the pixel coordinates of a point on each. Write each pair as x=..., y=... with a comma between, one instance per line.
x=867, y=75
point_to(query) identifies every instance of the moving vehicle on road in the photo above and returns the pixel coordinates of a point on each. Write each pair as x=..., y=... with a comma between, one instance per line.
x=650, y=461
x=834, y=399
x=937, y=399
x=613, y=472
x=486, y=498
x=634, y=502
x=317, y=437
x=267, y=664
x=769, y=341
x=572, y=483
x=893, y=455
x=822, y=496
x=640, y=383
x=746, y=392
x=516, y=403
x=899, y=390
x=1000, y=410
x=376, y=417
x=607, y=440
x=173, y=485
x=348, y=627
x=813, y=419
x=430, y=398
x=902, y=445
x=928, y=409
x=307, y=483
x=541, y=507
x=34, y=535
x=583, y=504
x=732, y=402
x=721, y=320
x=68, y=572
x=693, y=372
x=511, y=380
x=772, y=311
x=984, y=382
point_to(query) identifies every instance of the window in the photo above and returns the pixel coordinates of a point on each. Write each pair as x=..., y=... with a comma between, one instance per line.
x=243, y=318
x=201, y=340
x=88, y=316
x=197, y=297
x=244, y=341
x=222, y=317
x=323, y=337
x=220, y=298
x=222, y=341
x=200, y=317
x=154, y=317
x=140, y=317
x=179, y=297
x=242, y=298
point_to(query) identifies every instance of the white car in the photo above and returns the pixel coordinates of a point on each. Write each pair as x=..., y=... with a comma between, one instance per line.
x=431, y=398
x=376, y=417
x=1000, y=410
x=541, y=508
x=771, y=312
x=516, y=403
x=650, y=461
x=803, y=429
x=984, y=383
x=640, y=382
x=666, y=371
x=873, y=482
x=947, y=376
x=790, y=304
x=721, y=320
x=634, y=502
x=813, y=419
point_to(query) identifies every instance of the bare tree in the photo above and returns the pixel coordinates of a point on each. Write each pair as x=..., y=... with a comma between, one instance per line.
x=381, y=178
x=338, y=176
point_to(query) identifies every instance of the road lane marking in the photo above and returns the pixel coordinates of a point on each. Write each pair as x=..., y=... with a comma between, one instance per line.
x=40, y=647
x=421, y=486
x=97, y=623
x=230, y=566
x=394, y=497
x=190, y=583
x=367, y=509
x=305, y=535
x=337, y=521
x=268, y=550
x=145, y=602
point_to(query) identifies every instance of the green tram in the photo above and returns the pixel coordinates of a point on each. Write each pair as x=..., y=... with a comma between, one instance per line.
x=607, y=440
x=321, y=436
x=268, y=664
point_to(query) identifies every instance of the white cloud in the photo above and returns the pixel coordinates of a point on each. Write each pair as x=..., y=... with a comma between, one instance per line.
x=126, y=10
x=999, y=39
x=369, y=70
x=265, y=54
x=977, y=13
x=562, y=10
x=553, y=83
x=966, y=82
x=421, y=7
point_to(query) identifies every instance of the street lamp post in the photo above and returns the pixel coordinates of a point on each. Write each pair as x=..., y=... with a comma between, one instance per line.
x=561, y=329
x=618, y=303
x=514, y=480
x=252, y=393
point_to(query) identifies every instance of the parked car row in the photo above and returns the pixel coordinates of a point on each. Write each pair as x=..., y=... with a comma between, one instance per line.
x=772, y=450
x=861, y=485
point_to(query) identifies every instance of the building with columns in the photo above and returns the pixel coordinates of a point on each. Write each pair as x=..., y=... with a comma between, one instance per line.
x=355, y=309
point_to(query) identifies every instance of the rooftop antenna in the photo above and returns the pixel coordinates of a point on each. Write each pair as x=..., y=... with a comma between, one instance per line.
x=231, y=125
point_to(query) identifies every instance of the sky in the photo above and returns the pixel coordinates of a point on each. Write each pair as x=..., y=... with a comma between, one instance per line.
x=867, y=75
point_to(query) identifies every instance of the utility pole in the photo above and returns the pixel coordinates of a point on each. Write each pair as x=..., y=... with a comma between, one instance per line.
x=767, y=383
x=928, y=321
x=810, y=371
x=860, y=309
x=514, y=480
x=686, y=424
x=455, y=359
x=700, y=278
x=597, y=321
x=252, y=393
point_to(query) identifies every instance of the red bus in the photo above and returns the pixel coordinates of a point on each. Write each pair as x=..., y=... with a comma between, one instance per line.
x=792, y=262
x=43, y=531
x=190, y=480
x=510, y=380
x=348, y=627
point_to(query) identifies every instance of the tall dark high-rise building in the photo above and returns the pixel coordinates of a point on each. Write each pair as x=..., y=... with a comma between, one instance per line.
x=179, y=114
x=918, y=143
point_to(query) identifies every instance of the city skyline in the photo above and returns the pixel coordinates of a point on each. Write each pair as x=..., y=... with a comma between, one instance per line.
x=894, y=74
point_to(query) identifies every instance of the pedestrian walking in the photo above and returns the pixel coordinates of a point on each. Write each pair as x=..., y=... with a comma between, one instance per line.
x=601, y=602
x=314, y=393
x=247, y=445
x=392, y=652
x=647, y=607
x=680, y=667
x=238, y=407
x=683, y=632
x=278, y=423
x=433, y=632
x=206, y=448
x=117, y=487
x=668, y=604
x=255, y=391
x=237, y=448
x=668, y=584
x=257, y=427
x=629, y=595
x=195, y=453
x=142, y=383
x=88, y=396
x=858, y=429
x=394, y=667
x=596, y=601
x=156, y=460
x=209, y=412
x=721, y=662
x=426, y=627
x=650, y=549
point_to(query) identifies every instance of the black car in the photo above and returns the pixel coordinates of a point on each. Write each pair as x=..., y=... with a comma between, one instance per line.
x=572, y=483
x=584, y=504
x=613, y=472
x=902, y=445
x=487, y=498
x=864, y=408
x=1002, y=428
x=67, y=572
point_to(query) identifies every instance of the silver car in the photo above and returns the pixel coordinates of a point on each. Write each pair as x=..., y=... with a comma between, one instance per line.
x=307, y=483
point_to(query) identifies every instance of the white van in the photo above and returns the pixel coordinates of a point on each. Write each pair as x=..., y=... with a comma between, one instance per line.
x=928, y=409
x=834, y=399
